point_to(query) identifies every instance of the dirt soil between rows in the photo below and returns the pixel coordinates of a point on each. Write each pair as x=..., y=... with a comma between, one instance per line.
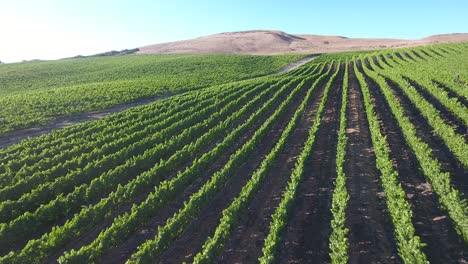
x=297, y=64
x=370, y=227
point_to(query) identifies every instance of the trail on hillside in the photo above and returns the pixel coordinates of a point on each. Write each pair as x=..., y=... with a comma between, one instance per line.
x=296, y=64
x=60, y=122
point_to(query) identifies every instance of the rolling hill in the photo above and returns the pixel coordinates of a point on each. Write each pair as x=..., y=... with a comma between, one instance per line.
x=263, y=42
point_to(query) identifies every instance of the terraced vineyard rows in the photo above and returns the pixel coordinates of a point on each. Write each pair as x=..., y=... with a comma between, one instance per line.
x=351, y=158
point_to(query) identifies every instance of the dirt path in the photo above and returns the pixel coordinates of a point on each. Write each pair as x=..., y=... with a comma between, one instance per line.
x=14, y=137
x=247, y=239
x=296, y=64
x=431, y=223
x=370, y=227
x=308, y=229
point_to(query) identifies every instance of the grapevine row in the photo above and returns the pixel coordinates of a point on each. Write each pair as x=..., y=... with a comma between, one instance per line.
x=280, y=216
x=338, y=241
x=409, y=245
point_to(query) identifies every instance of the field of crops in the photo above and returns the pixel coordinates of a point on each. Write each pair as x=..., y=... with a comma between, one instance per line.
x=351, y=158
x=34, y=94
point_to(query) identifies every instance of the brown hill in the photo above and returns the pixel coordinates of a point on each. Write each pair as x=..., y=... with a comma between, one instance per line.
x=278, y=42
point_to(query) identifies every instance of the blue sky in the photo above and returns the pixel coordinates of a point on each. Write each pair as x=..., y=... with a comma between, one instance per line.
x=50, y=29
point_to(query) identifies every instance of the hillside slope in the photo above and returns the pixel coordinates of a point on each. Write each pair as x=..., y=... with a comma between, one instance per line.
x=277, y=42
x=35, y=93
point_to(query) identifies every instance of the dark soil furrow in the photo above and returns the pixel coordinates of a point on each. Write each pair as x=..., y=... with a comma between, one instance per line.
x=449, y=118
x=452, y=49
x=439, y=149
x=426, y=53
x=371, y=236
x=376, y=62
x=64, y=121
x=369, y=66
x=443, y=50
x=407, y=55
x=451, y=93
x=307, y=232
x=431, y=223
x=247, y=240
x=418, y=55
x=401, y=57
x=437, y=53
x=382, y=57
x=392, y=58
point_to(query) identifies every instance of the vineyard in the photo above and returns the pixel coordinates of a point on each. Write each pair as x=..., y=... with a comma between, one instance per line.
x=34, y=94
x=356, y=157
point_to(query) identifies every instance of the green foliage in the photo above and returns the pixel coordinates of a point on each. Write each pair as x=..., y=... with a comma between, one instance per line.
x=34, y=93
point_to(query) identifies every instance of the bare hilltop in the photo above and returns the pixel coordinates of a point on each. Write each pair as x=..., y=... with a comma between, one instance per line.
x=265, y=42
